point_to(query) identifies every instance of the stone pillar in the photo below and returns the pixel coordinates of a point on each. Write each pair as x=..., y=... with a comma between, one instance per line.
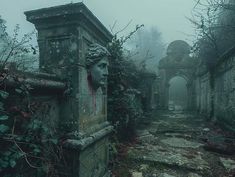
x=164, y=95
x=163, y=90
x=64, y=35
x=188, y=96
x=191, y=102
x=166, y=100
x=146, y=86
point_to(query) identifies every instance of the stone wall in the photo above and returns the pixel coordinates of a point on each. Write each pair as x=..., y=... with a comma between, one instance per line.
x=203, y=94
x=216, y=91
x=224, y=103
x=147, y=88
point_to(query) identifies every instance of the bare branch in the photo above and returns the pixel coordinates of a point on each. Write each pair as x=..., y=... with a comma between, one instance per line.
x=25, y=156
x=124, y=28
x=114, y=24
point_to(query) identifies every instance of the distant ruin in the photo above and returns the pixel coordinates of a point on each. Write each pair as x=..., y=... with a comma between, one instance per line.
x=177, y=63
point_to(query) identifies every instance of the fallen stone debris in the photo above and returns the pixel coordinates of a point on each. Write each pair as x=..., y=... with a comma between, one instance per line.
x=174, y=146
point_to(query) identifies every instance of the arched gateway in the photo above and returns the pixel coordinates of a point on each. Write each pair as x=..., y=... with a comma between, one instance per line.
x=177, y=63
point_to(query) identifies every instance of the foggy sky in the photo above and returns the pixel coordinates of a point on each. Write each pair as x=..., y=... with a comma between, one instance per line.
x=169, y=16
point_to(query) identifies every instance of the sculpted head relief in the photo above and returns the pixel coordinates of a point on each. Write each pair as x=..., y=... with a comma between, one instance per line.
x=97, y=65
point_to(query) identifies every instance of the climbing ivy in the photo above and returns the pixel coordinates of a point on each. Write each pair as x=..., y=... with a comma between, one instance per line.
x=27, y=145
x=124, y=107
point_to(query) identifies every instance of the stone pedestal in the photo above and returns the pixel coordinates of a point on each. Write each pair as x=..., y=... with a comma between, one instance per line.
x=64, y=34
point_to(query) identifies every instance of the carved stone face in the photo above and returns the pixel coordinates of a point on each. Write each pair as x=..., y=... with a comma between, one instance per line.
x=99, y=73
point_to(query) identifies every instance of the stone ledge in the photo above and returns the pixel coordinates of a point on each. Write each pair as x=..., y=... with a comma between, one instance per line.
x=85, y=142
x=72, y=11
x=36, y=82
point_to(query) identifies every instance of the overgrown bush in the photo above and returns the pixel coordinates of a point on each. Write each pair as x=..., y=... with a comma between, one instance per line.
x=124, y=107
x=16, y=49
x=214, y=27
x=28, y=147
x=23, y=134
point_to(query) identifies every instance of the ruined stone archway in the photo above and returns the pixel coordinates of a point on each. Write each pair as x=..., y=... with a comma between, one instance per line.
x=177, y=63
x=178, y=93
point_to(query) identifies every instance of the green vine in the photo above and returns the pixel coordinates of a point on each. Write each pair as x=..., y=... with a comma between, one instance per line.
x=124, y=107
x=28, y=146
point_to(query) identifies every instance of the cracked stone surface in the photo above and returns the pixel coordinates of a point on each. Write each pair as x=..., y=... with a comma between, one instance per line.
x=180, y=158
x=171, y=146
x=181, y=143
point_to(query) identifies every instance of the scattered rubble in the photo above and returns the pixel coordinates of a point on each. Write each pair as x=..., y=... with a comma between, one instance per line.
x=144, y=167
x=137, y=174
x=146, y=138
x=193, y=175
x=173, y=147
x=206, y=129
x=170, y=157
x=229, y=164
x=181, y=143
x=165, y=175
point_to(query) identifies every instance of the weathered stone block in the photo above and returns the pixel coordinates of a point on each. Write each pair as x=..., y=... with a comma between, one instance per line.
x=65, y=34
